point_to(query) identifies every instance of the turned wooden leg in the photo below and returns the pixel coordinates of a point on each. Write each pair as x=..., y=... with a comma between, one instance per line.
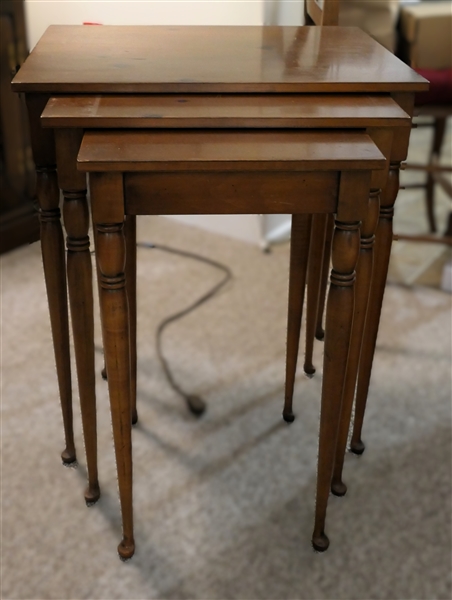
x=299, y=248
x=130, y=230
x=362, y=287
x=80, y=285
x=339, y=319
x=79, y=273
x=111, y=253
x=319, y=331
x=52, y=247
x=316, y=249
x=382, y=252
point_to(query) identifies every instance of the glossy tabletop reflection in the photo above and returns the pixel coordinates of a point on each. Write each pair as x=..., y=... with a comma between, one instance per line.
x=164, y=59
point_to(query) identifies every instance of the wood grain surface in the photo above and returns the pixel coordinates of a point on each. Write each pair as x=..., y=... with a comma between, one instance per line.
x=224, y=111
x=163, y=59
x=232, y=150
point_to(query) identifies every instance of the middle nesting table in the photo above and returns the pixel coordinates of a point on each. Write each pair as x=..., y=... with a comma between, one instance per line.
x=378, y=115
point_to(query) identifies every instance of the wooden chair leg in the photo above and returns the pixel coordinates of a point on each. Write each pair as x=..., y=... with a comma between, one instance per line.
x=315, y=262
x=362, y=287
x=299, y=248
x=80, y=285
x=111, y=254
x=438, y=137
x=339, y=319
x=319, y=331
x=53, y=258
x=130, y=230
x=382, y=252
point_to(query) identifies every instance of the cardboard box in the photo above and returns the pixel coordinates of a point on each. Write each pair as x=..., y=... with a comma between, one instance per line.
x=427, y=30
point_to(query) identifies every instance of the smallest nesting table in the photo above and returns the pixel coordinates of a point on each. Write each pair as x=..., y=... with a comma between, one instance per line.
x=221, y=172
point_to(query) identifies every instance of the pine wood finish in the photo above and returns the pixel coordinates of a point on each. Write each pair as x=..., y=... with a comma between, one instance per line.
x=112, y=158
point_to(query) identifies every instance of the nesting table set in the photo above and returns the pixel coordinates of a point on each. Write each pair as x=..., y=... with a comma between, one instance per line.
x=195, y=120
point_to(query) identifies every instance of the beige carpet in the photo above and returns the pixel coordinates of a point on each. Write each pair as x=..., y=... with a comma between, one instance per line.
x=224, y=505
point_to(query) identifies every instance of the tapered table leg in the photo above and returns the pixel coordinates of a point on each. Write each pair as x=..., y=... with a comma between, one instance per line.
x=80, y=285
x=364, y=270
x=339, y=319
x=130, y=230
x=115, y=327
x=79, y=273
x=316, y=250
x=53, y=258
x=382, y=253
x=52, y=247
x=299, y=249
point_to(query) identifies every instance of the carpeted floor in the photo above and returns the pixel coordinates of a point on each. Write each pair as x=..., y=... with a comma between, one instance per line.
x=224, y=505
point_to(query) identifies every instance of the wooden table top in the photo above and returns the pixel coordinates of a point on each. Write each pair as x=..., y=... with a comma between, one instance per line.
x=164, y=59
x=256, y=150
x=166, y=111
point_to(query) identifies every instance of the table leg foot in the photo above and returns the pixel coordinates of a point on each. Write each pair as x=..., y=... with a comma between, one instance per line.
x=68, y=457
x=357, y=447
x=126, y=550
x=320, y=542
x=92, y=495
x=309, y=369
x=288, y=416
x=320, y=334
x=338, y=488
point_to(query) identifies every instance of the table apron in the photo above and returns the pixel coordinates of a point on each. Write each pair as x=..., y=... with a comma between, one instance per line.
x=230, y=193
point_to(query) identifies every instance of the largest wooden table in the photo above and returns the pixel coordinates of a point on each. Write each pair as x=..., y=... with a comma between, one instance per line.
x=72, y=60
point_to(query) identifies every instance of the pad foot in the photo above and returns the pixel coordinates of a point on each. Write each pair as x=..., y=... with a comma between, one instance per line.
x=92, y=495
x=126, y=550
x=357, y=447
x=338, y=488
x=320, y=543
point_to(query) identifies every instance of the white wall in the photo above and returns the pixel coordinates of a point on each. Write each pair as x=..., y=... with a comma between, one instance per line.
x=42, y=13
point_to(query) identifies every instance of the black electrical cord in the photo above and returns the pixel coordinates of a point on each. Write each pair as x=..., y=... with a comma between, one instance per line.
x=195, y=403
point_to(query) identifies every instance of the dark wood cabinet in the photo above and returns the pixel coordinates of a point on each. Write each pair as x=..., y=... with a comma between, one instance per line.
x=18, y=218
